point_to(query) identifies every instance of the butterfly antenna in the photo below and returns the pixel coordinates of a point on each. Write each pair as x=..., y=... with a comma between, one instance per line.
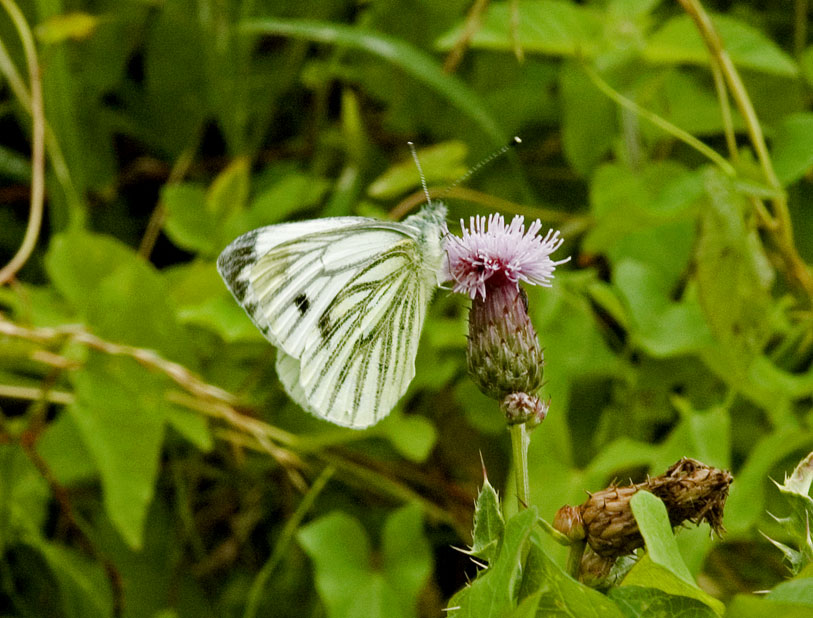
x=420, y=172
x=497, y=153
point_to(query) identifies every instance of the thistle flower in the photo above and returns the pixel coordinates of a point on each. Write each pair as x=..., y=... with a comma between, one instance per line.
x=487, y=264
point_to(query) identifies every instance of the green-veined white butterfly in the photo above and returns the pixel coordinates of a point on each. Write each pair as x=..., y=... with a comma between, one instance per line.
x=344, y=300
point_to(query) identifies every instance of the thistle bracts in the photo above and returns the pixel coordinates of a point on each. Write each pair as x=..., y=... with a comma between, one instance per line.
x=503, y=353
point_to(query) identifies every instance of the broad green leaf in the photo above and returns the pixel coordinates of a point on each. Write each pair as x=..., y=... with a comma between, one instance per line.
x=792, y=153
x=406, y=557
x=679, y=42
x=83, y=584
x=703, y=435
x=348, y=583
x=203, y=300
x=732, y=275
x=638, y=602
x=193, y=426
x=60, y=28
x=653, y=522
x=411, y=60
x=24, y=497
x=189, y=224
x=746, y=501
x=78, y=261
x=646, y=215
x=559, y=595
x=589, y=120
x=228, y=192
x=545, y=26
x=120, y=413
x=132, y=306
x=290, y=194
x=752, y=606
x=62, y=448
x=412, y=436
x=647, y=574
x=662, y=327
x=489, y=524
x=798, y=591
x=494, y=591
x=148, y=575
x=444, y=162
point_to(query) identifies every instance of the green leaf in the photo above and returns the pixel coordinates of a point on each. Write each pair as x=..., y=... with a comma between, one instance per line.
x=411, y=60
x=679, y=42
x=544, y=26
x=412, y=436
x=24, y=497
x=406, y=556
x=558, y=593
x=792, y=154
x=120, y=413
x=290, y=194
x=444, y=162
x=63, y=450
x=798, y=591
x=132, y=305
x=750, y=606
x=189, y=224
x=83, y=585
x=489, y=524
x=228, y=192
x=78, y=261
x=746, y=501
x=348, y=583
x=733, y=276
x=653, y=522
x=662, y=327
x=638, y=602
x=588, y=120
x=493, y=593
x=647, y=574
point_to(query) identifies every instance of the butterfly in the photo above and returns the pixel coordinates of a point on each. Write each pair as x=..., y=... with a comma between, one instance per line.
x=344, y=300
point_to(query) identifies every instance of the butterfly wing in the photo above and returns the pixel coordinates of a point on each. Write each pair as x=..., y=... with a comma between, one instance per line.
x=344, y=299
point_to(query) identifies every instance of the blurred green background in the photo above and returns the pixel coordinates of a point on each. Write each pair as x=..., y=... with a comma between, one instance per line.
x=150, y=463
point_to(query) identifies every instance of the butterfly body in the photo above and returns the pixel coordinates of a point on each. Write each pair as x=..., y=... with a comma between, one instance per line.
x=344, y=300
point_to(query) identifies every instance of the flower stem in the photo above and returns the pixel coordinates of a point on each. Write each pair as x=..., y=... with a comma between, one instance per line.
x=519, y=445
x=574, y=558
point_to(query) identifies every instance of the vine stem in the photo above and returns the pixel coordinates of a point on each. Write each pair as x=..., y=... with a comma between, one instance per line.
x=520, y=438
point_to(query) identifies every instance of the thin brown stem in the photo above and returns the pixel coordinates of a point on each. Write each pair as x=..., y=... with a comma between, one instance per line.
x=37, y=146
x=470, y=27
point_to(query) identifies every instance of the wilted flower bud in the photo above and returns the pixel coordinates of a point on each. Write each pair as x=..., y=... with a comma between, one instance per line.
x=524, y=408
x=690, y=490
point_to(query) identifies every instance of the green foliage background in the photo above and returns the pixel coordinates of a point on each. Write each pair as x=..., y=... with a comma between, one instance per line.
x=150, y=464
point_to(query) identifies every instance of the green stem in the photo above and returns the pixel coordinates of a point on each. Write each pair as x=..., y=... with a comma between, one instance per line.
x=574, y=558
x=519, y=446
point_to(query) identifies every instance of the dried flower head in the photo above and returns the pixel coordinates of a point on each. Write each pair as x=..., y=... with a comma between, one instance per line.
x=690, y=490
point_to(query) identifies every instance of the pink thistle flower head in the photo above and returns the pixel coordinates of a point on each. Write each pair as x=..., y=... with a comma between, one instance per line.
x=492, y=254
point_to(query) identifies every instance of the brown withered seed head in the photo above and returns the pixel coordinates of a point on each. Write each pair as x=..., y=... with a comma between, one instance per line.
x=690, y=490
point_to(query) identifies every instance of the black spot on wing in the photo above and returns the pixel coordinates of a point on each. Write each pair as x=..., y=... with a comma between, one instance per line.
x=302, y=303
